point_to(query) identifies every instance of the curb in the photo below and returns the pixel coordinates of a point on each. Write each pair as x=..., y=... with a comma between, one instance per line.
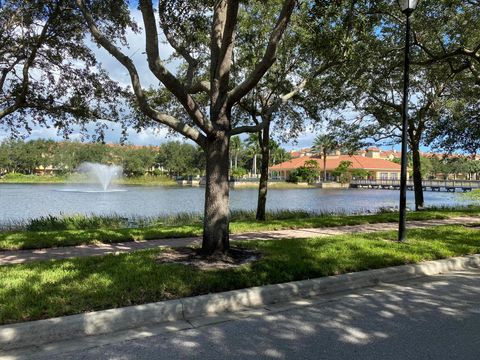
x=40, y=332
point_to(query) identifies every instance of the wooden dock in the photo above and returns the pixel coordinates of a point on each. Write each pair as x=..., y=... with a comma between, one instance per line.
x=428, y=185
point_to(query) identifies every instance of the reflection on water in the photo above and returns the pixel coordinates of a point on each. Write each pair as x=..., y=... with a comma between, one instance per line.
x=31, y=201
x=91, y=191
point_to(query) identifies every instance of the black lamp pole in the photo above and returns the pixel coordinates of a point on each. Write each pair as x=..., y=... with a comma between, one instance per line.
x=403, y=174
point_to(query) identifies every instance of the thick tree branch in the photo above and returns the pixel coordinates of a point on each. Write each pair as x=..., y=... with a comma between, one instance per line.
x=281, y=100
x=284, y=98
x=269, y=56
x=165, y=119
x=8, y=69
x=181, y=50
x=445, y=55
x=160, y=71
x=8, y=110
x=20, y=98
x=385, y=102
x=31, y=58
x=222, y=42
x=198, y=87
x=248, y=128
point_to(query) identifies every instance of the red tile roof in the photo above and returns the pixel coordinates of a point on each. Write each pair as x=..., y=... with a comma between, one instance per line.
x=386, y=153
x=358, y=162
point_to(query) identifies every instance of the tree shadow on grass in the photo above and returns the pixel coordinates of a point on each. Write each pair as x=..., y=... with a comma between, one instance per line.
x=63, y=287
x=47, y=239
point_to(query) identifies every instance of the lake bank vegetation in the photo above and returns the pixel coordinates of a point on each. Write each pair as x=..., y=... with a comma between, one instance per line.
x=54, y=231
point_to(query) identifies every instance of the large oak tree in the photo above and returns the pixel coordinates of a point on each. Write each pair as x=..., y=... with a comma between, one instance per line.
x=202, y=33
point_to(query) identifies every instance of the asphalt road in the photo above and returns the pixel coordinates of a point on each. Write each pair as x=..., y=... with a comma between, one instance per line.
x=429, y=318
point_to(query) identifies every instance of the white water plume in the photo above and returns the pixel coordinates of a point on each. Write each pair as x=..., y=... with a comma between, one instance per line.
x=101, y=173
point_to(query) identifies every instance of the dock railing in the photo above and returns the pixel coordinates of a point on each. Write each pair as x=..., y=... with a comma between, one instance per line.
x=473, y=184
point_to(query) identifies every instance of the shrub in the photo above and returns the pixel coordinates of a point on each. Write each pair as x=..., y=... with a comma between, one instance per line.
x=76, y=222
x=239, y=172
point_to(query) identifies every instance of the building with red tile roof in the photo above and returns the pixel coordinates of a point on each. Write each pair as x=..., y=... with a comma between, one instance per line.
x=301, y=153
x=378, y=168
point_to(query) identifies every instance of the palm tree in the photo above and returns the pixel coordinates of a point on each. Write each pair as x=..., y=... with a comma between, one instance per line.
x=253, y=148
x=235, y=148
x=277, y=153
x=322, y=145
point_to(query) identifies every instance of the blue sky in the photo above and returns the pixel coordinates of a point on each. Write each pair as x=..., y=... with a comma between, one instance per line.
x=151, y=136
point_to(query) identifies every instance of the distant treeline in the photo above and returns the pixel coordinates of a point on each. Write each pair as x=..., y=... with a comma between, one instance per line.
x=63, y=158
x=173, y=158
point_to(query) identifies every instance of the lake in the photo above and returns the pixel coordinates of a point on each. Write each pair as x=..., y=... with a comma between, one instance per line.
x=31, y=201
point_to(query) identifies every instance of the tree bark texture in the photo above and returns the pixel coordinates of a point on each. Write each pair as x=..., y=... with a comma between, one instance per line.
x=217, y=212
x=417, y=177
x=324, y=166
x=263, y=184
x=211, y=133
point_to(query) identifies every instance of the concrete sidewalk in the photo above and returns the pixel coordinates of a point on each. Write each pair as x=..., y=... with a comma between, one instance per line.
x=22, y=256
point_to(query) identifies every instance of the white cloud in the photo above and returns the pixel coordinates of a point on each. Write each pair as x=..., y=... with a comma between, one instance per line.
x=136, y=51
x=148, y=136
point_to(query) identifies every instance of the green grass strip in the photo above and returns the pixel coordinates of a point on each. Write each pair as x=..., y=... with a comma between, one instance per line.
x=61, y=287
x=15, y=240
x=472, y=195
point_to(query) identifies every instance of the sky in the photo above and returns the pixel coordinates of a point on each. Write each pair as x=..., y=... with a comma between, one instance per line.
x=149, y=136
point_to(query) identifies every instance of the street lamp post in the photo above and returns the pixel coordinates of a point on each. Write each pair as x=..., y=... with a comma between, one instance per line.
x=407, y=7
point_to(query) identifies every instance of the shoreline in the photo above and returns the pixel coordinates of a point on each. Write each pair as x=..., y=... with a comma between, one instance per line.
x=149, y=182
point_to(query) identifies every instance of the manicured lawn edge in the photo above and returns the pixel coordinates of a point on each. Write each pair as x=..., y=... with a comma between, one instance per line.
x=176, y=313
x=48, y=289
x=19, y=240
x=78, y=179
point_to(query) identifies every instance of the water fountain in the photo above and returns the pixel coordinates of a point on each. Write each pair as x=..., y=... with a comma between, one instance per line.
x=98, y=174
x=101, y=173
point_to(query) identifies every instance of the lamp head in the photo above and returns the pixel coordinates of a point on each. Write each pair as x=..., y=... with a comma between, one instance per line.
x=407, y=6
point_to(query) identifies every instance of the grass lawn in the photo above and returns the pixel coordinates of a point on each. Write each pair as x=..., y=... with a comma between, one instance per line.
x=14, y=240
x=472, y=195
x=146, y=180
x=32, y=179
x=60, y=287
x=274, y=185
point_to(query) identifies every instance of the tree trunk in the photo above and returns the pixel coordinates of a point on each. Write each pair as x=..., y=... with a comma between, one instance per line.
x=217, y=213
x=263, y=185
x=324, y=167
x=417, y=177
